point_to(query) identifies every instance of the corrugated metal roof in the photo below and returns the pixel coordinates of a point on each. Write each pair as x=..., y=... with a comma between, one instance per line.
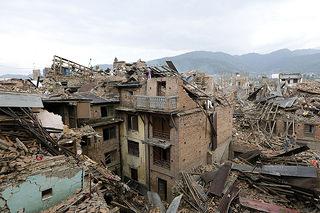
x=20, y=100
x=98, y=100
x=284, y=103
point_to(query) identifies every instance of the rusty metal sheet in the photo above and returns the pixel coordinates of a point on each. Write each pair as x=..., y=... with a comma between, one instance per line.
x=278, y=170
x=207, y=177
x=304, y=183
x=227, y=199
x=250, y=154
x=293, y=151
x=217, y=184
x=265, y=207
x=294, y=171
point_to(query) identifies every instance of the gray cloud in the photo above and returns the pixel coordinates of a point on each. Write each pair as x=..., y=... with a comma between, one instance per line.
x=32, y=31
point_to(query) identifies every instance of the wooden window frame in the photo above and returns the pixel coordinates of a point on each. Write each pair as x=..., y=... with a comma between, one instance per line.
x=109, y=133
x=133, y=148
x=133, y=122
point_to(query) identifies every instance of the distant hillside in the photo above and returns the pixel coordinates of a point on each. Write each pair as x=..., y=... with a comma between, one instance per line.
x=211, y=62
x=284, y=60
x=16, y=76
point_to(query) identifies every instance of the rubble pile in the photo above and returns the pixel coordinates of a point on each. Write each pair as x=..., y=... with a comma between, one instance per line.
x=18, y=85
x=312, y=87
x=83, y=202
x=21, y=158
x=267, y=173
x=273, y=181
x=270, y=169
x=117, y=193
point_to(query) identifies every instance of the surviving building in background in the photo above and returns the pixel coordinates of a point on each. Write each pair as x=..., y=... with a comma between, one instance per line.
x=290, y=78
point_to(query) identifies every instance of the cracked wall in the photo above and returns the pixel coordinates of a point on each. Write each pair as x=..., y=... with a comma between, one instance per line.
x=28, y=195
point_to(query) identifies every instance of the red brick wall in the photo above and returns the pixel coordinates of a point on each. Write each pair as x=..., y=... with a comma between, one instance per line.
x=189, y=148
x=170, y=183
x=194, y=139
x=224, y=123
x=300, y=132
x=97, y=149
x=185, y=102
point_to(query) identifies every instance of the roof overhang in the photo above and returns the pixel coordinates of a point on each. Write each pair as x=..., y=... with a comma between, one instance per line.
x=20, y=100
x=158, y=142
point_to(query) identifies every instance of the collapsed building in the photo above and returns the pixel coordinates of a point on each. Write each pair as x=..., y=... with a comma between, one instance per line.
x=271, y=167
x=160, y=131
x=29, y=174
x=288, y=112
x=38, y=172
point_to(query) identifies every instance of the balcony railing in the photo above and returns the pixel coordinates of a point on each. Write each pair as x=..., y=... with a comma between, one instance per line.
x=161, y=163
x=161, y=134
x=157, y=103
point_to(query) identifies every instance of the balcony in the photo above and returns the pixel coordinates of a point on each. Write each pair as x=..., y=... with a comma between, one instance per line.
x=161, y=157
x=161, y=134
x=156, y=103
x=162, y=163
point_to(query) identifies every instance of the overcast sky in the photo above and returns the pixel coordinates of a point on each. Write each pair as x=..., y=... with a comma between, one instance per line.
x=32, y=31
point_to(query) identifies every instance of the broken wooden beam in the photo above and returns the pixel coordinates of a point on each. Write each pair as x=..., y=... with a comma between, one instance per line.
x=265, y=207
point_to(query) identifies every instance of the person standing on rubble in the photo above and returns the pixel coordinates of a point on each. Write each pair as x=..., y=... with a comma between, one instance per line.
x=290, y=142
x=286, y=143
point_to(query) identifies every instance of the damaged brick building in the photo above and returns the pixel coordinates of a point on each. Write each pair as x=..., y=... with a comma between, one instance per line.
x=168, y=129
x=167, y=135
x=157, y=123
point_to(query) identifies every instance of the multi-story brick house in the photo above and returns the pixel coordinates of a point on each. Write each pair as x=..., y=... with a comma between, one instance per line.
x=167, y=127
x=85, y=108
x=166, y=131
x=106, y=148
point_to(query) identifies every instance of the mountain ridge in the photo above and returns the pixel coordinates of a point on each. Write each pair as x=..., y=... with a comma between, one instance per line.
x=282, y=60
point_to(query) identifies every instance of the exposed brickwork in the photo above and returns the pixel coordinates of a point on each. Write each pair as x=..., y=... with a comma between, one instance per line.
x=184, y=100
x=194, y=139
x=224, y=124
x=154, y=183
x=299, y=131
x=172, y=85
x=301, y=135
x=174, y=151
x=127, y=98
x=96, y=149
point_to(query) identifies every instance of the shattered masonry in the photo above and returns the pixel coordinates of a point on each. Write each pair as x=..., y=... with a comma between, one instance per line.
x=142, y=138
